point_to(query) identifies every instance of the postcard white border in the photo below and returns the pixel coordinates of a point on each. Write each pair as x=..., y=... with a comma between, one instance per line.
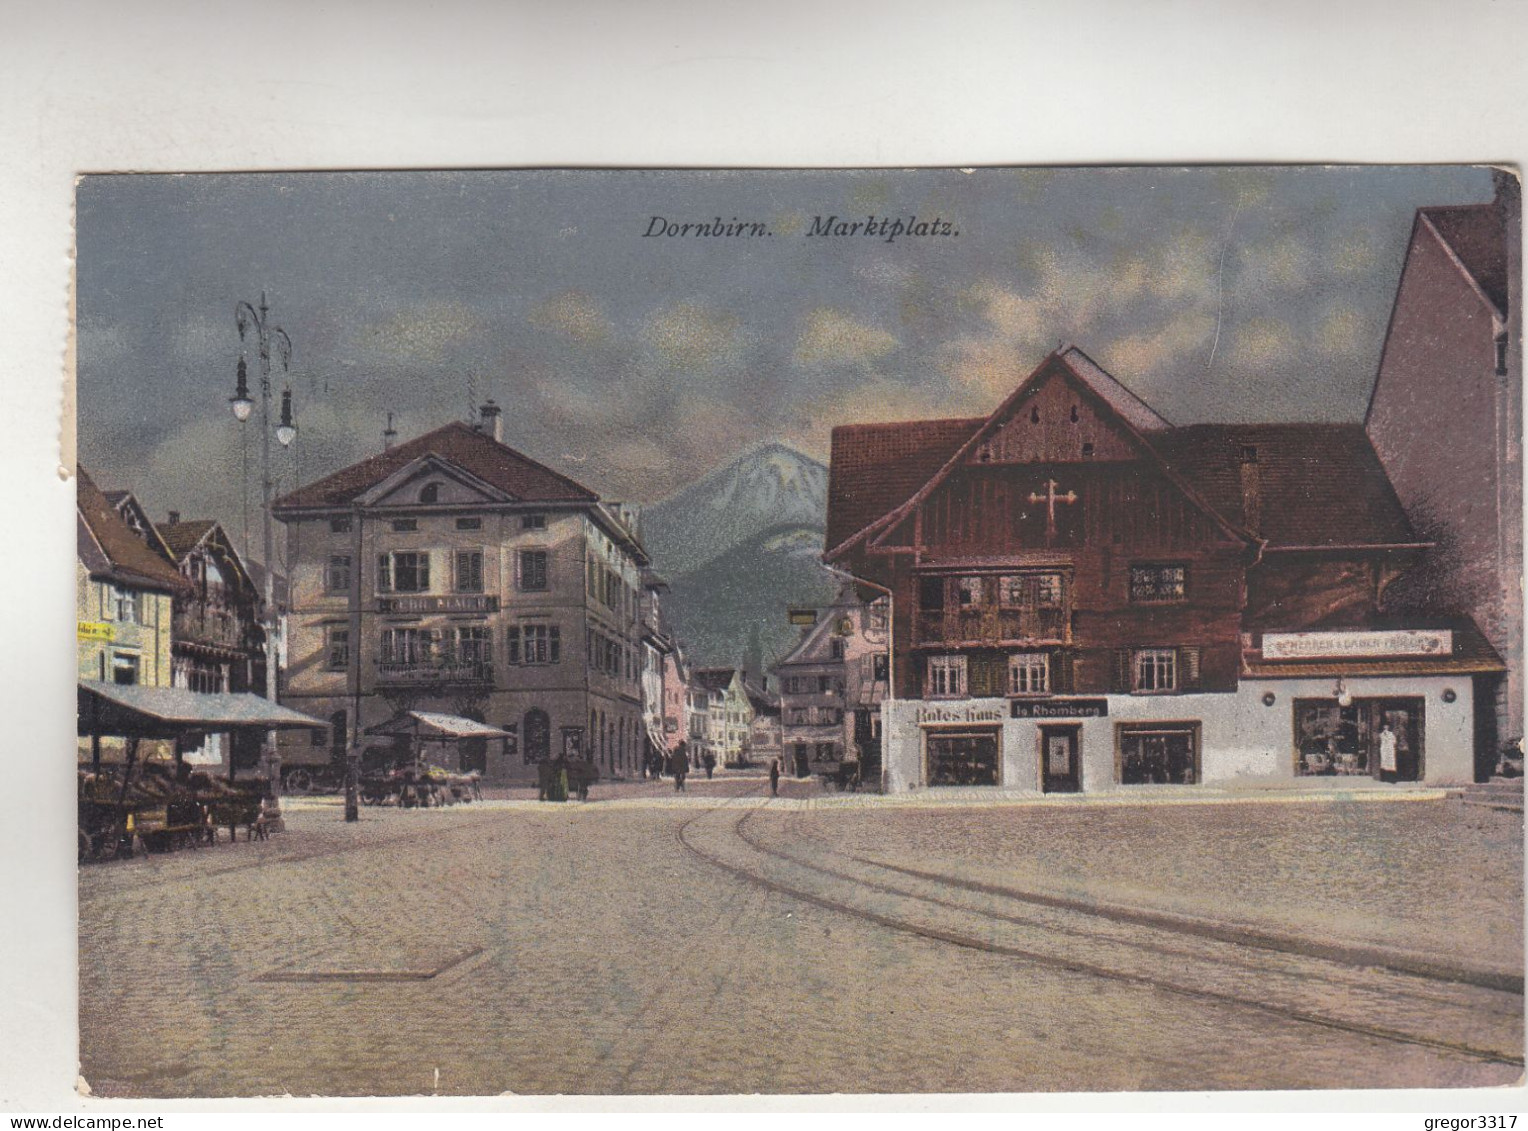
x=161, y=85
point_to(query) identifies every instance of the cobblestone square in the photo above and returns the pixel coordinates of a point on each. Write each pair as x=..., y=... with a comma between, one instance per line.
x=718, y=942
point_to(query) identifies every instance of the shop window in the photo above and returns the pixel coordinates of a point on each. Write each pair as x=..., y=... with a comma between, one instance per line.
x=1158, y=583
x=1158, y=754
x=337, y=575
x=1028, y=673
x=1336, y=740
x=946, y=677
x=469, y=571
x=962, y=759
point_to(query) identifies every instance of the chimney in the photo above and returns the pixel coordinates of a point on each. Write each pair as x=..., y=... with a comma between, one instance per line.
x=174, y=518
x=389, y=434
x=492, y=422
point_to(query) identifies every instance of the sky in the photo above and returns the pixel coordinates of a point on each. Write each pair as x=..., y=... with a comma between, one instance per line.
x=637, y=363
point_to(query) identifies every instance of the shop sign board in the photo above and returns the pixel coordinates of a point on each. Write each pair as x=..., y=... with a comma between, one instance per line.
x=1322, y=645
x=95, y=630
x=966, y=711
x=1060, y=708
x=450, y=603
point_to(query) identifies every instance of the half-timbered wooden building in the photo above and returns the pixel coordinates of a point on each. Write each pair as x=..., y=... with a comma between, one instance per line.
x=1084, y=596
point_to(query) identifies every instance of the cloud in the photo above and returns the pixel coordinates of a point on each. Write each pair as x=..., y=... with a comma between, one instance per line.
x=427, y=334
x=690, y=336
x=1261, y=343
x=831, y=337
x=1343, y=330
x=576, y=315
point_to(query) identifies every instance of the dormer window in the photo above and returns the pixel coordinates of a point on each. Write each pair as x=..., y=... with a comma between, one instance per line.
x=430, y=493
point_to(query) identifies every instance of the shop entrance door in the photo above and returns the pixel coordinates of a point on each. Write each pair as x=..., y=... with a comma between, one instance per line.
x=1404, y=717
x=1060, y=767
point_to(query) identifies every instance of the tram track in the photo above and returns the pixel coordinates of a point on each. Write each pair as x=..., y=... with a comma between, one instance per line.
x=1328, y=989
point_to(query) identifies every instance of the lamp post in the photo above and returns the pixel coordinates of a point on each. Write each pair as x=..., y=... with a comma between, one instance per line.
x=267, y=337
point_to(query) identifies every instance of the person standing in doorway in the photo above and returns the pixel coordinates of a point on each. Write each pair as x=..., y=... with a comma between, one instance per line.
x=1387, y=762
x=774, y=777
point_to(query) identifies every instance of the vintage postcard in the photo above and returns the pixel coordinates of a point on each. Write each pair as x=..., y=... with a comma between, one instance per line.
x=628, y=632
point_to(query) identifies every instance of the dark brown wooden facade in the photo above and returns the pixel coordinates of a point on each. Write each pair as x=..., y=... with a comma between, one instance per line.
x=1076, y=523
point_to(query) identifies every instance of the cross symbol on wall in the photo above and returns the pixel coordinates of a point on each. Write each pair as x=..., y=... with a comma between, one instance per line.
x=1050, y=499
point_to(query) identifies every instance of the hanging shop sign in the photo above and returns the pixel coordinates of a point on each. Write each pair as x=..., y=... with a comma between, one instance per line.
x=1324, y=645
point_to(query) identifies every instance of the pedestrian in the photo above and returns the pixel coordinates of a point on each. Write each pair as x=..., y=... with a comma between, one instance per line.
x=709, y=761
x=679, y=766
x=1387, y=762
x=774, y=777
x=544, y=775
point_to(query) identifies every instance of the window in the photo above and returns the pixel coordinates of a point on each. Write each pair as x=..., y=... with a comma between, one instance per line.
x=403, y=571
x=124, y=667
x=473, y=522
x=407, y=646
x=1030, y=590
x=469, y=571
x=1156, y=669
x=968, y=591
x=534, y=644
x=535, y=521
x=337, y=576
x=828, y=685
x=1501, y=354
x=836, y=648
x=1028, y=673
x=931, y=593
x=336, y=648
x=339, y=525
x=430, y=493
x=946, y=677
x=533, y=569
x=474, y=644
x=127, y=608
x=1158, y=582
x=1248, y=453
x=404, y=525
x=879, y=616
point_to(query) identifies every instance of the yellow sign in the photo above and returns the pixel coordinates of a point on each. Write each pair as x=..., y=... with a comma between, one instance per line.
x=92, y=630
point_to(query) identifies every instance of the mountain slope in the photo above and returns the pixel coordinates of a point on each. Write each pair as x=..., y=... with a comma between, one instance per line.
x=713, y=610
x=766, y=488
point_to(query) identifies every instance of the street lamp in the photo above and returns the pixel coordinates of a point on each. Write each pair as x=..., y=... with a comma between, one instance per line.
x=267, y=336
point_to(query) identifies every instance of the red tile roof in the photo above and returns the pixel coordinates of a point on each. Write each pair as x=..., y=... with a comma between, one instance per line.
x=875, y=468
x=458, y=443
x=1320, y=484
x=111, y=550
x=1477, y=234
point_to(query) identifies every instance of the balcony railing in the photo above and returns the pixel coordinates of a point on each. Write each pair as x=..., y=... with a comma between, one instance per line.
x=222, y=628
x=410, y=673
x=988, y=625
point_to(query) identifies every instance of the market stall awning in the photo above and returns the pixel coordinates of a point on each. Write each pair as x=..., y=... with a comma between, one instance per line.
x=430, y=724
x=133, y=710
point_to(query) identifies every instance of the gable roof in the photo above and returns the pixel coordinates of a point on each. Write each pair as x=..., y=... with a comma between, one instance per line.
x=183, y=537
x=109, y=549
x=877, y=467
x=1133, y=415
x=1477, y=236
x=713, y=679
x=476, y=452
x=1320, y=485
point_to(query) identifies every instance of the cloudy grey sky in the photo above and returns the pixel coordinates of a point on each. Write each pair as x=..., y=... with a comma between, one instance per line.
x=637, y=364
